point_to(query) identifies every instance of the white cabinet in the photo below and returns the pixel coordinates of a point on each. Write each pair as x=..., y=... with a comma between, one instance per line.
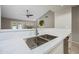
x=58, y=49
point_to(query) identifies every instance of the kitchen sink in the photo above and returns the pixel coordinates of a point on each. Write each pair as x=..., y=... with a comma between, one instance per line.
x=34, y=42
x=48, y=37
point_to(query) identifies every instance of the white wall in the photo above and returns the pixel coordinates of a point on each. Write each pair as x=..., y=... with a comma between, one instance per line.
x=0, y=17
x=49, y=20
x=75, y=24
x=63, y=18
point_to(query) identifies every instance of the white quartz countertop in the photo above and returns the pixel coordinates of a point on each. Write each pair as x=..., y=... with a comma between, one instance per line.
x=19, y=46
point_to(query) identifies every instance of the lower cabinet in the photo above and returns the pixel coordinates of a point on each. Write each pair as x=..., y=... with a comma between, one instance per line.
x=57, y=50
x=61, y=48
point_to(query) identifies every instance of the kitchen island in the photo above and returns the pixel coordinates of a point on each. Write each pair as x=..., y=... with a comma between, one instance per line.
x=12, y=41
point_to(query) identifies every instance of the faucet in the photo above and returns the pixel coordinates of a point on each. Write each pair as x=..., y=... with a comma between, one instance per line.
x=36, y=29
x=36, y=32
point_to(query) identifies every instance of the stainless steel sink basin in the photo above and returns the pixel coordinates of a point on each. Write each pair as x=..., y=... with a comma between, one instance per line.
x=48, y=37
x=37, y=41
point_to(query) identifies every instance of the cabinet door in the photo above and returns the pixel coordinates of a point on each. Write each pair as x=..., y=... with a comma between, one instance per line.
x=58, y=49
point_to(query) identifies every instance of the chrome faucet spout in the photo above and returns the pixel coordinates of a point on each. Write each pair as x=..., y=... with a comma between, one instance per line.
x=36, y=29
x=36, y=32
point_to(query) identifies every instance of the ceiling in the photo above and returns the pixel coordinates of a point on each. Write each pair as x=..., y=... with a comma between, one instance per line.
x=19, y=11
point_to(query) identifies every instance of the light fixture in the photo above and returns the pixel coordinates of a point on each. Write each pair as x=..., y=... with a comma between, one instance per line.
x=28, y=14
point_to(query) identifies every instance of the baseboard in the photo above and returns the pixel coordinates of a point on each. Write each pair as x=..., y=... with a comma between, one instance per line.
x=75, y=43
